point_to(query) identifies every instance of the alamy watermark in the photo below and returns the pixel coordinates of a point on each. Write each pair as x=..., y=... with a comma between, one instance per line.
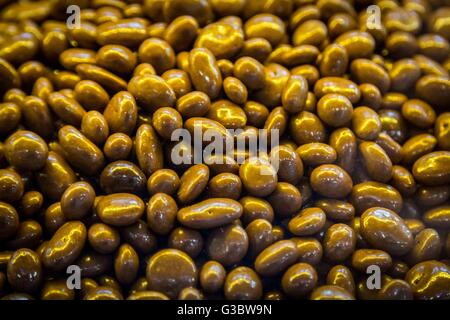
x=373, y=17
x=74, y=280
x=74, y=19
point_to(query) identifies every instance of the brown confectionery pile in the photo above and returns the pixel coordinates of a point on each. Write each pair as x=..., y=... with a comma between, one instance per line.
x=358, y=90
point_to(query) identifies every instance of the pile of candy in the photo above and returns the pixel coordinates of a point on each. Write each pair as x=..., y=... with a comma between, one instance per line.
x=94, y=91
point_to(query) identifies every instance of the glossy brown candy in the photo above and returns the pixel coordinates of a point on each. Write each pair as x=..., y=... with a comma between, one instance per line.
x=91, y=95
x=161, y=213
x=370, y=96
x=28, y=235
x=222, y=39
x=376, y=161
x=24, y=271
x=293, y=96
x=442, y=131
x=163, y=180
x=147, y=295
x=65, y=246
x=103, y=77
x=316, y=153
x=250, y=71
x=66, y=108
x=415, y=226
x=77, y=200
x=372, y=194
x=336, y=210
x=158, y=53
x=80, y=151
x=56, y=176
x=193, y=104
x=227, y=245
x=276, y=258
x=228, y=114
x=286, y=199
x=190, y=293
x=126, y=264
x=299, y=280
x=432, y=168
x=225, y=185
x=103, y=238
x=255, y=208
x=171, y=270
x=11, y=185
x=404, y=74
x=122, y=176
x=418, y=146
x=165, y=121
x=258, y=177
x=148, y=149
x=403, y=180
x=121, y=113
x=235, y=90
x=331, y=292
x=57, y=290
x=276, y=78
x=427, y=246
x=335, y=110
x=117, y=146
x=306, y=127
x=337, y=85
x=212, y=276
x=359, y=176
x=260, y=236
x=204, y=72
x=179, y=81
x=385, y=230
x=392, y=148
x=433, y=89
x=341, y=276
x=334, y=61
x=362, y=259
x=343, y=141
x=331, y=181
x=37, y=117
x=103, y=293
x=339, y=242
x=95, y=127
x=364, y=70
x=366, y=123
x=308, y=222
x=266, y=26
x=9, y=221
x=10, y=116
x=419, y=113
x=192, y=183
x=181, y=32
x=151, y=92
x=126, y=32
x=117, y=59
x=438, y=217
x=139, y=236
x=210, y=213
x=120, y=209
x=398, y=269
x=26, y=150
x=429, y=280
x=290, y=165
x=242, y=283
x=187, y=240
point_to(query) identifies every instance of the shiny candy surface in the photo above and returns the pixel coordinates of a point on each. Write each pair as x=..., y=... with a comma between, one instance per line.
x=225, y=149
